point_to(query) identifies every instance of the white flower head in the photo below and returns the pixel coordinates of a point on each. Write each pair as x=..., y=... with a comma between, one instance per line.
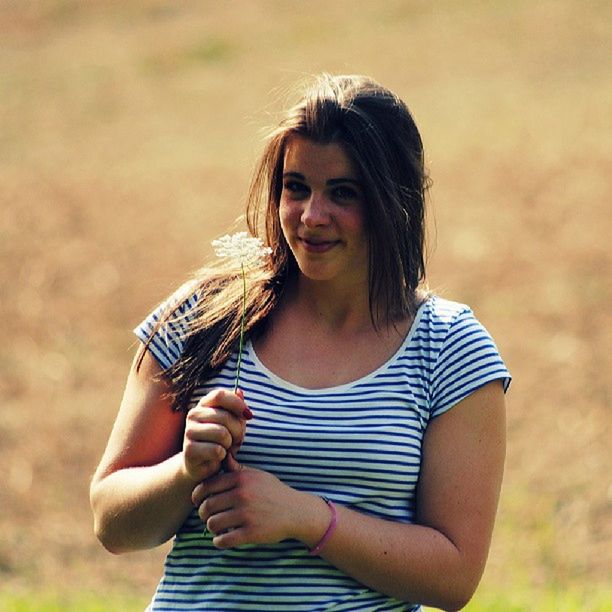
x=241, y=249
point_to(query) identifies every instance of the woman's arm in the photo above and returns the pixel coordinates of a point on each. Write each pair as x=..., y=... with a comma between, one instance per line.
x=437, y=562
x=141, y=492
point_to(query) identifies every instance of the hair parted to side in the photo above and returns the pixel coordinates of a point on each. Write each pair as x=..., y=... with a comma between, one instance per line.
x=377, y=131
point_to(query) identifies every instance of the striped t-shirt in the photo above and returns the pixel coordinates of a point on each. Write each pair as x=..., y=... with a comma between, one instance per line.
x=358, y=444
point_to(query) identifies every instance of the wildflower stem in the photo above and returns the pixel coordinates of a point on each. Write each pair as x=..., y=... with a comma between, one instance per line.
x=242, y=321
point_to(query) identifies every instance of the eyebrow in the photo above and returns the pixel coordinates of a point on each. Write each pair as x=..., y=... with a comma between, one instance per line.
x=330, y=182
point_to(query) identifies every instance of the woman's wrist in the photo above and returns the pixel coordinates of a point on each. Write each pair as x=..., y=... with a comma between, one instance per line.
x=331, y=527
x=313, y=518
x=183, y=478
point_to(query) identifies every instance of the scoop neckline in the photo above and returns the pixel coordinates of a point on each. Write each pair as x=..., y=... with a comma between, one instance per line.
x=250, y=349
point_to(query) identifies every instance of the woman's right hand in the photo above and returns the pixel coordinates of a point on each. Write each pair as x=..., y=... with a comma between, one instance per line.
x=214, y=429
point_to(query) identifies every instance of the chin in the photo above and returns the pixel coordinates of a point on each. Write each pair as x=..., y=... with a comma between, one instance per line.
x=316, y=274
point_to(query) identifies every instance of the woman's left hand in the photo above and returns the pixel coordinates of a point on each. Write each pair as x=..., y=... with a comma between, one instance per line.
x=248, y=506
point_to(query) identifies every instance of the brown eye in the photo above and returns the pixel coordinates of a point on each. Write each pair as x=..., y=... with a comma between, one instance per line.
x=295, y=188
x=344, y=193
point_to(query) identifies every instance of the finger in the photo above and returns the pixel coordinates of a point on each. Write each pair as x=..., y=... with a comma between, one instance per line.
x=202, y=422
x=228, y=400
x=202, y=459
x=202, y=452
x=216, y=504
x=198, y=495
x=230, y=464
x=232, y=538
x=248, y=413
x=214, y=414
x=210, y=433
x=212, y=486
x=223, y=521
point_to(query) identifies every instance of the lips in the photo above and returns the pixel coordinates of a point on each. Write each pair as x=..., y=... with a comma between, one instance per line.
x=316, y=245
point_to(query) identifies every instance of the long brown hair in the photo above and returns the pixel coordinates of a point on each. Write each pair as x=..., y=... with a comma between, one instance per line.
x=376, y=129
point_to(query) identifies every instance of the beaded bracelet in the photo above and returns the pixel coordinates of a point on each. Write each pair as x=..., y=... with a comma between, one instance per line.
x=330, y=528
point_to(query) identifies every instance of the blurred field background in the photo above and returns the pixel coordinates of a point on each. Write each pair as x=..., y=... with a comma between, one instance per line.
x=128, y=131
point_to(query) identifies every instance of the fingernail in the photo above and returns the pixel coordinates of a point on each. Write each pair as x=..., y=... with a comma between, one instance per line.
x=240, y=393
x=247, y=414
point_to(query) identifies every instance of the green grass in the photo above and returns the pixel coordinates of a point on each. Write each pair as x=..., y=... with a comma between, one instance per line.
x=598, y=599
x=81, y=602
x=551, y=599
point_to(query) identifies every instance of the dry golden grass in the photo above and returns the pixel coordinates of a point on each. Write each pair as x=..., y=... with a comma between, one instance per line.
x=128, y=131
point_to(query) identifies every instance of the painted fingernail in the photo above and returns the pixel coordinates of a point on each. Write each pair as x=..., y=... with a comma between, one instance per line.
x=247, y=414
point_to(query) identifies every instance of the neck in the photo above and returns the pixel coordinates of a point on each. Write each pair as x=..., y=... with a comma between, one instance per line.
x=334, y=308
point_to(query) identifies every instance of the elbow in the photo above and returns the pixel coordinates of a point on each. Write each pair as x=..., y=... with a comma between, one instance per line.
x=113, y=541
x=453, y=594
x=114, y=524
x=103, y=522
x=103, y=530
x=463, y=591
x=458, y=602
x=450, y=601
x=106, y=541
x=118, y=543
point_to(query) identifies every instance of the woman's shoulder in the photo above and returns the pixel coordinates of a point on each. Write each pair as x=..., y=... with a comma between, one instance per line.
x=447, y=325
x=185, y=296
x=165, y=329
x=442, y=312
x=464, y=355
x=184, y=300
x=179, y=305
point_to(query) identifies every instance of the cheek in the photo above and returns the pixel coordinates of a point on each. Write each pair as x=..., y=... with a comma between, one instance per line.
x=354, y=223
x=286, y=215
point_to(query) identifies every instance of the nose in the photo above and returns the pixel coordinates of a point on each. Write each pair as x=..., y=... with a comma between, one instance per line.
x=316, y=211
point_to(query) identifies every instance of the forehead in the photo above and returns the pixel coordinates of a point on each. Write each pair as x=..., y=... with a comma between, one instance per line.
x=316, y=160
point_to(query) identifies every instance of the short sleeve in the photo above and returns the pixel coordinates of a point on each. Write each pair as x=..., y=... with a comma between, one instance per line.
x=168, y=340
x=468, y=359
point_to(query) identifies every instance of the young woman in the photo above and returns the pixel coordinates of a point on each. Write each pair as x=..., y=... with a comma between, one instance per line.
x=358, y=466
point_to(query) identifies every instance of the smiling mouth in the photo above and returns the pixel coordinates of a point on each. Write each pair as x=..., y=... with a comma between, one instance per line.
x=318, y=246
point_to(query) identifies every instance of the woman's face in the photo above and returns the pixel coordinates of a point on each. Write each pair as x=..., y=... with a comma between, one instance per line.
x=322, y=212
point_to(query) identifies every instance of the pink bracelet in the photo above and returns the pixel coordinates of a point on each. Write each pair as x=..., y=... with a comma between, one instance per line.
x=330, y=528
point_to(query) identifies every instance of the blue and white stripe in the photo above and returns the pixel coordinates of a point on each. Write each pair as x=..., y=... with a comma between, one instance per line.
x=359, y=444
